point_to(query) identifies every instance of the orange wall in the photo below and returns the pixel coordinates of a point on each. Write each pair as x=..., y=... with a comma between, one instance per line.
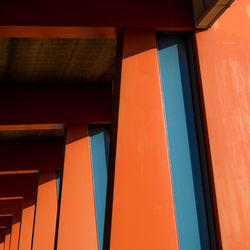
x=224, y=55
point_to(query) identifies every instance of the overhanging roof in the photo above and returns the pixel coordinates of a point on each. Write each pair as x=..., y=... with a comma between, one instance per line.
x=56, y=60
x=206, y=12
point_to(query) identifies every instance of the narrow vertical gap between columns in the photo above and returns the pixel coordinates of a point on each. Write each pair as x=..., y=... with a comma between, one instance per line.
x=60, y=189
x=113, y=140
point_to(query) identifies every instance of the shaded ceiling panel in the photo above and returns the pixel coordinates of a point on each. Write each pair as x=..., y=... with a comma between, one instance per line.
x=174, y=14
x=92, y=61
x=206, y=12
x=31, y=135
x=57, y=61
x=5, y=50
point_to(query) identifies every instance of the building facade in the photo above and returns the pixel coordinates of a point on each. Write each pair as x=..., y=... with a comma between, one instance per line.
x=124, y=125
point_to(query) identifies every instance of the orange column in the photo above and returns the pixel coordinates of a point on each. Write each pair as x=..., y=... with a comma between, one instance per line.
x=12, y=206
x=7, y=221
x=224, y=56
x=27, y=227
x=5, y=224
x=22, y=185
x=15, y=231
x=143, y=210
x=2, y=244
x=7, y=241
x=77, y=225
x=46, y=212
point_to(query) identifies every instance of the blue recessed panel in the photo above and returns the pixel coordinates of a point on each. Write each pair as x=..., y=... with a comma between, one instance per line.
x=58, y=182
x=182, y=143
x=99, y=147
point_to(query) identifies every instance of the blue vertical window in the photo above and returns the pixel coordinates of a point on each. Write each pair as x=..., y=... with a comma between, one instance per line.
x=58, y=182
x=190, y=210
x=99, y=147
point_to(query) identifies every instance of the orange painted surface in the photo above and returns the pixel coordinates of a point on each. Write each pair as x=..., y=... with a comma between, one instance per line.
x=31, y=127
x=143, y=210
x=7, y=241
x=77, y=224
x=46, y=212
x=13, y=185
x=12, y=207
x=224, y=54
x=15, y=231
x=1, y=245
x=19, y=172
x=27, y=227
x=5, y=223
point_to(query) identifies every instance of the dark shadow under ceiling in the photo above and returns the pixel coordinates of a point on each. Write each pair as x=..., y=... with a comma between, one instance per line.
x=56, y=61
x=31, y=135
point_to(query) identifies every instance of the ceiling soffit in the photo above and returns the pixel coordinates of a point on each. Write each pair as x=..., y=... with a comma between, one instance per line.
x=206, y=12
x=56, y=60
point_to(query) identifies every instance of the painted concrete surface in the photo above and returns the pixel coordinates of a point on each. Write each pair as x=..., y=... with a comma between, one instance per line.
x=143, y=211
x=77, y=222
x=224, y=55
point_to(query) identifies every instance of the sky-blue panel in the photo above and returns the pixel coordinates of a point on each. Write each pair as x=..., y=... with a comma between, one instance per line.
x=182, y=143
x=99, y=147
x=58, y=182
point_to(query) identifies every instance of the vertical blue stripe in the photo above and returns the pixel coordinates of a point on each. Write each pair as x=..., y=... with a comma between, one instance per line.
x=58, y=182
x=99, y=147
x=182, y=143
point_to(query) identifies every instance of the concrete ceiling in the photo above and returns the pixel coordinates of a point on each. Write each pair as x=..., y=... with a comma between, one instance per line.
x=56, y=61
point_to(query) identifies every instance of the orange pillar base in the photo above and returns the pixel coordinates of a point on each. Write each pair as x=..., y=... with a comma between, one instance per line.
x=15, y=232
x=46, y=212
x=7, y=241
x=143, y=209
x=27, y=227
x=77, y=225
